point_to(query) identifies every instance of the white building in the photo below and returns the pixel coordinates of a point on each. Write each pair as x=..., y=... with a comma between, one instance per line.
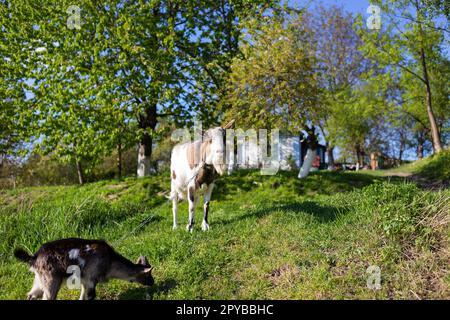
x=290, y=149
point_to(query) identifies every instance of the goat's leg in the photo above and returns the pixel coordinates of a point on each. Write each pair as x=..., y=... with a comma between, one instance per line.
x=36, y=291
x=87, y=289
x=83, y=294
x=206, y=199
x=50, y=286
x=175, y=209
x=91, y=293
x=192, y=202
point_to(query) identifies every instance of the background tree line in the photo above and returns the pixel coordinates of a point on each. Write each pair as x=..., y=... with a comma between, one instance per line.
x=104, y=95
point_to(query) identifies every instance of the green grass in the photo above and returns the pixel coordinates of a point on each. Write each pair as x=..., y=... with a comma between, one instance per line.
x=434, y=168
x=273, y=237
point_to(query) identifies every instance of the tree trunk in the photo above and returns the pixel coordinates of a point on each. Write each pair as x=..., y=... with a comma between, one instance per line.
x=329, y=150
x=147, y=122
x=119, y=160
x=144, y=155
x=80, y=172
x=400, y=151
x=358, y=157
x=420, y=143
x=307, y=163
x=312, y=143
x=330, y=156
x=435, y=135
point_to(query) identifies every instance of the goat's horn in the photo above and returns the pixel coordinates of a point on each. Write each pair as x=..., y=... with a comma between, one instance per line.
x=230, y=124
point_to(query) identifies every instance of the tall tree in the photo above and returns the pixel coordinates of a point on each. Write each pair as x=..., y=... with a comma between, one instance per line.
x=357, y=121
x=410, y=98
x=410, y=41
x=274, y=85
x=339, y=62
x=11, y=93
x=139, y=61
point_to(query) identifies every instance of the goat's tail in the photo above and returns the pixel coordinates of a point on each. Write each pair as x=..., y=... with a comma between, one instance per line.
x=175, y=195
x=22, y=255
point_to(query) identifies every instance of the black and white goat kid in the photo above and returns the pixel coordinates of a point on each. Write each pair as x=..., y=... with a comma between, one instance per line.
x=97, y=262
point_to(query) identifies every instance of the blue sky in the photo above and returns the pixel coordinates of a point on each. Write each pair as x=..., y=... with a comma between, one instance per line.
x=355, y=6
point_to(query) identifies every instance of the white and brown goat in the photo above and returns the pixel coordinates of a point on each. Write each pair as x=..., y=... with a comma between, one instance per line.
x=194, y=166
x=97, y=262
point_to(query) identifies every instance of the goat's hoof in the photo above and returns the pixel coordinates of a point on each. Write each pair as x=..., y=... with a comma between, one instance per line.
x=174, y=227
x=189, y=228
x=205, y=226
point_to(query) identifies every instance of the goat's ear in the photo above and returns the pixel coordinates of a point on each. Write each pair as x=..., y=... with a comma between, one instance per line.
x=148, y=270
x=198, y=132
x=142, y=261
x=229, y=125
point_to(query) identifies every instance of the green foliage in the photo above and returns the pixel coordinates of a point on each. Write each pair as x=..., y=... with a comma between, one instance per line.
x=410, y=39
x=353, y=120
x=340, y=67
x=274, y=85
x=44, y=170
x=109, y=82
x=436, y=167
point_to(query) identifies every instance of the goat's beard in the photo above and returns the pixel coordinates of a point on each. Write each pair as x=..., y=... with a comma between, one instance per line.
x=220, y=168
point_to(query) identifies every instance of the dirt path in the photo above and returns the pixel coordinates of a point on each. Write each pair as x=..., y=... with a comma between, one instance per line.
x=399, y=174
x=421, y=182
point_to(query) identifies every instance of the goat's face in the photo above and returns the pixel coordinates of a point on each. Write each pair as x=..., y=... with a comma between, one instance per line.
x=217, y=147
x=144, y=276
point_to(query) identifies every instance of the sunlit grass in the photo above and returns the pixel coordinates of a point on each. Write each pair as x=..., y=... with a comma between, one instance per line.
x=274, y=237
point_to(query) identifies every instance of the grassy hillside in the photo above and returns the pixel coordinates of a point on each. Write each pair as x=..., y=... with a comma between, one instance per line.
x=274, y=237
x=435, y=168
